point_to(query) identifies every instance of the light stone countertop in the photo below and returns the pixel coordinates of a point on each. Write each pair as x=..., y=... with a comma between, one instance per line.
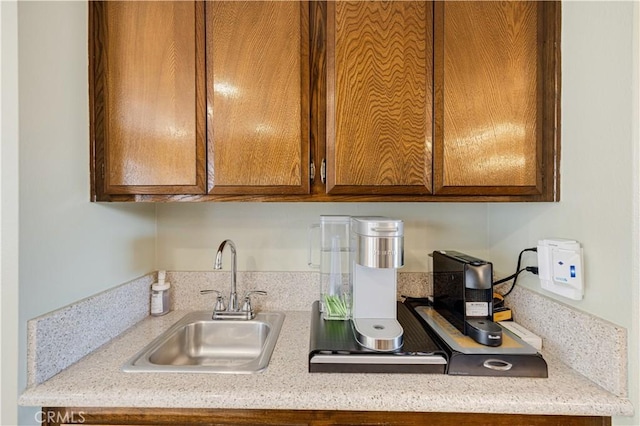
x=97, y=381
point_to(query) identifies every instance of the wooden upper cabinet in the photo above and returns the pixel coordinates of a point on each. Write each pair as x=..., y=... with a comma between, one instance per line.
x=497, y=98
x=400, y=100
x=443, y=100
x=157, y=128
x=379, y=97
x=147, y=97
x=258, y=97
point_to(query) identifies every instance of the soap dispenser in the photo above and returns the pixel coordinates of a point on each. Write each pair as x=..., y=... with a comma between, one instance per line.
x=160, y=295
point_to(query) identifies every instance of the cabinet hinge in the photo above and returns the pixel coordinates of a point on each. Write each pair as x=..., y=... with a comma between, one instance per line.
x=323, y=171
x=312, y=172
x=102, y=171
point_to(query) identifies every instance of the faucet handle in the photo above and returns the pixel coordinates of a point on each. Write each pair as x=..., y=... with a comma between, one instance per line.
x=219, y=299
x=246, y=307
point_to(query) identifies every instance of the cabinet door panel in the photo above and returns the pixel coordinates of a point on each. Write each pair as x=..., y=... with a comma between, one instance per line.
x=379, y=97
x=281, y=417
x=489, y=102
x=148, y=96
x=258, y=97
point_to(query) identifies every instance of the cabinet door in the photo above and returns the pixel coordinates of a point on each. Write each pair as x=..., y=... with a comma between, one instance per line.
x=282, y=417
x=147, y=97
x=258, y=97
x=497, y=98
x=379, y=97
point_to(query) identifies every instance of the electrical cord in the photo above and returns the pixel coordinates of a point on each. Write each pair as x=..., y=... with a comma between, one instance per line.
x=532, y=269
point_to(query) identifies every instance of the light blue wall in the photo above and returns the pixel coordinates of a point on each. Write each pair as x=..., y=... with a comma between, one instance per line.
x=274, y=236
x=69, y=248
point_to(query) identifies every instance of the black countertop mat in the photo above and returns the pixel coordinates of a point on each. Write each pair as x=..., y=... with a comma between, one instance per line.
x=336, y=337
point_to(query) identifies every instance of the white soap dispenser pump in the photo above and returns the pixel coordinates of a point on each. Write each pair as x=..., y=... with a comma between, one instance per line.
x=160, y=295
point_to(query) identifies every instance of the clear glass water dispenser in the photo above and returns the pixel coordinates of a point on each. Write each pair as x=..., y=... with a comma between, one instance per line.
x=334, y=290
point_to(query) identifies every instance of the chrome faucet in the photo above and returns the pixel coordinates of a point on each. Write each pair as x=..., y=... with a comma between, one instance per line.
x=220, y=311
x=233, y=297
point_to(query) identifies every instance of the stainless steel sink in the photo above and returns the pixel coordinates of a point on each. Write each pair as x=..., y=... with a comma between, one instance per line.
x=198, y=344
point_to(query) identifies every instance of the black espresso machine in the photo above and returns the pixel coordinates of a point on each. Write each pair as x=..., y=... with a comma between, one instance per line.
x=463, y=295
x=459, y=318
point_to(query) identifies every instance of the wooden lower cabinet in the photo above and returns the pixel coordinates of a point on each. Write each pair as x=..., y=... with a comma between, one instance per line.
x=169, y=416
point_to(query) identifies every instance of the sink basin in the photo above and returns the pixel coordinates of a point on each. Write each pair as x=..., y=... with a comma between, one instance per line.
x=198, y=344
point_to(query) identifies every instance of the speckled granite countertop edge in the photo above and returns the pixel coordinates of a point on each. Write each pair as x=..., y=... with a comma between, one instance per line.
x=97, y=381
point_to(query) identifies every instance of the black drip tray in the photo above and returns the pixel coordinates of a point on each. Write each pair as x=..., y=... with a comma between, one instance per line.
x=333, y=348
x=466, y=357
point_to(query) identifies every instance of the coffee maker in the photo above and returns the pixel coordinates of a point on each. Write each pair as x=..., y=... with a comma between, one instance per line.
x=463, y=295
x=376, y=251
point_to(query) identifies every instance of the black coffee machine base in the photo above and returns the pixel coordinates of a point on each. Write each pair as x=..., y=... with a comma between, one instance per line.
x=334, y=349
x=514, y=358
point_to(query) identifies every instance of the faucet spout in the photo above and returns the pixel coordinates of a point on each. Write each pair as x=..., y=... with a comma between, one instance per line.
x=233, y=297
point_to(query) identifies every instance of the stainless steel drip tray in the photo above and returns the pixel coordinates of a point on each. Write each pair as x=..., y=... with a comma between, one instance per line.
x=334, y=349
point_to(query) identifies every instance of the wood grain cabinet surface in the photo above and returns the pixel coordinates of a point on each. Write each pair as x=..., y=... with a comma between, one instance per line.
x=379, y=97
x=146, y=83
x=258, y=97
x=325, y=101
x=157, y=128
x=496, y=98
x=170, y=416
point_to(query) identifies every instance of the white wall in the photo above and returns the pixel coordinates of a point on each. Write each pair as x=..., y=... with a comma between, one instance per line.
x=8, y=211
x=69, y=248
x=634, y=350
x=600, y=160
